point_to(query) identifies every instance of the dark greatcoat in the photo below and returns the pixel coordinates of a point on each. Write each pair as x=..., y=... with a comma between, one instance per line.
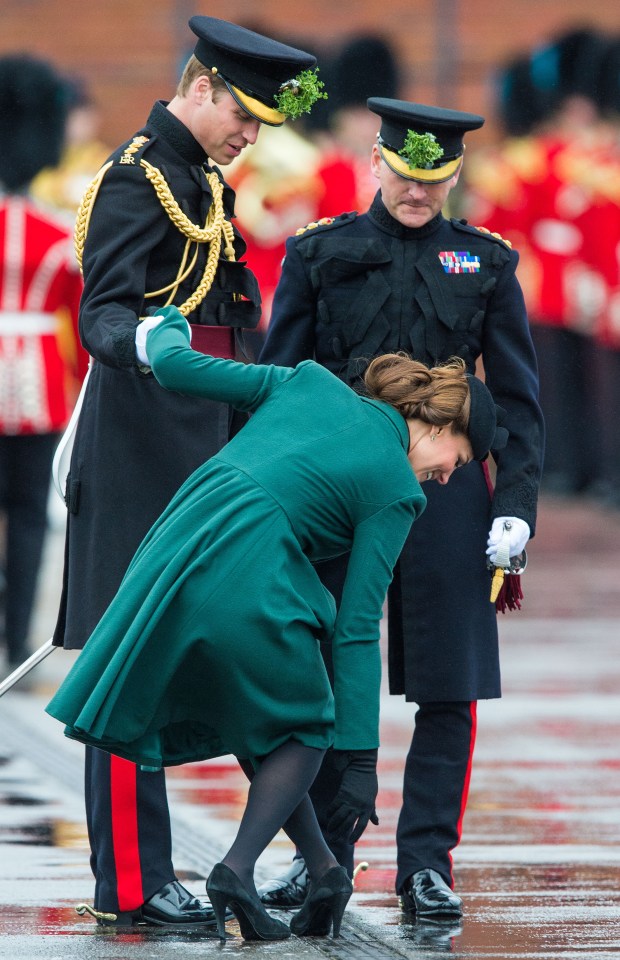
x=365, y=285
x=136, y=443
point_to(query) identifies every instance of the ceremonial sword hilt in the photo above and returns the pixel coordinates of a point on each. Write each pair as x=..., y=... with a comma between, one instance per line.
x=504, y=563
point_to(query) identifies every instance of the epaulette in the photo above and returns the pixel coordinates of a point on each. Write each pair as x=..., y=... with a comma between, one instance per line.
x=470, y=228
x=128, y=154
x=127, y=157
x=327, y=222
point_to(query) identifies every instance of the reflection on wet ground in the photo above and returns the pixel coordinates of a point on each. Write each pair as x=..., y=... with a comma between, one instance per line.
x=516, y=911
x=539, y=865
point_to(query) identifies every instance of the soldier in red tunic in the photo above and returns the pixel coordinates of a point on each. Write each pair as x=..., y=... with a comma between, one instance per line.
x=538, y=189
x=40, y=359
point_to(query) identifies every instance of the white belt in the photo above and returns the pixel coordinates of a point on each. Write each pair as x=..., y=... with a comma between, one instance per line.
x=27, y=324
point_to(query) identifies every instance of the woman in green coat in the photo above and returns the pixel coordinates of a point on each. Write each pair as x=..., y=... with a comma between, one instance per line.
x=211, y=645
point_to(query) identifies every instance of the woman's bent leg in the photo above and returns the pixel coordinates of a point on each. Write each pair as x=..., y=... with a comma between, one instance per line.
x=279, y=785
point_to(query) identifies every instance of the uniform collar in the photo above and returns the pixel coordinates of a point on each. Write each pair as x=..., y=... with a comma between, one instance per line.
x=176, y=134
x=394, y=416
x=378, y=214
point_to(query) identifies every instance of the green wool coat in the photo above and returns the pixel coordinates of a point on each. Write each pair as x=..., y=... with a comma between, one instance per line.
x=210, y=646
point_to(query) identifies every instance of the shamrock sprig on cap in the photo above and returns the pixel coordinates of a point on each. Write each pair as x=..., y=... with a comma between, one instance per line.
x=421, y=150
x=298, y=96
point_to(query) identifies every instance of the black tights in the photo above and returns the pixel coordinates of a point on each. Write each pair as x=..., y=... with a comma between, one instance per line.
x=278, y=799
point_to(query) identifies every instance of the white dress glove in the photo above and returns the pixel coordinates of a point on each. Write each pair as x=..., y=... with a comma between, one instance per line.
x=518, y=535
x=141, y=333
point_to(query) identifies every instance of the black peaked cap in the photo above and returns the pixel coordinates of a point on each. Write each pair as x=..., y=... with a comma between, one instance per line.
x=448, y=127
x=249, y=62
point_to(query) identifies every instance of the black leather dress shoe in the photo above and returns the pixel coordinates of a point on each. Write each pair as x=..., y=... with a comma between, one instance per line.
x=171, y=906
x=427, y=895
x=287, y=891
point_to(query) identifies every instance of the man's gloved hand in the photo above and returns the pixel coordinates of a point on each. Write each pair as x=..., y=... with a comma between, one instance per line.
x=141, y=331
x=354, y=804
x=519, y=534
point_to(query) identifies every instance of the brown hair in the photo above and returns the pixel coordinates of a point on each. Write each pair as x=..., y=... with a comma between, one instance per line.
x=439, y=395
x=194, y=69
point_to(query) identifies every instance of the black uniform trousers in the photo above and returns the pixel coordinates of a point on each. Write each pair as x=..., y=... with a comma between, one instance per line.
x=436, y=777
x=25, y=473
x=128, y=829
x=435, y=788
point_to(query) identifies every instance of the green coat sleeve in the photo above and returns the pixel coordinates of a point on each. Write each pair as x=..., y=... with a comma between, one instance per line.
x=177, y=367
x=377, y=543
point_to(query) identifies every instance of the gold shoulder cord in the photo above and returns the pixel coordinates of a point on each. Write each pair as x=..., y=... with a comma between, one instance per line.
x=85, y=209
x=216, y=227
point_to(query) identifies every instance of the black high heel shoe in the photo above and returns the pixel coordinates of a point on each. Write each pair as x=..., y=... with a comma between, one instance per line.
x=225, y=889
x=324, y=906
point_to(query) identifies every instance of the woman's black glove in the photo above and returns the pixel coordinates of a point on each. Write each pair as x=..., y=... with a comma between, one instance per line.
x=354, y=804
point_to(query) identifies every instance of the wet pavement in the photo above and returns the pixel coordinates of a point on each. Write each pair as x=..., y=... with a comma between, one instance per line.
x=539, y=864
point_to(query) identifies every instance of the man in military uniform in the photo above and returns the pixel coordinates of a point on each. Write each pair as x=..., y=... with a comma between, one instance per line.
x=403, y=277
x=155, y=229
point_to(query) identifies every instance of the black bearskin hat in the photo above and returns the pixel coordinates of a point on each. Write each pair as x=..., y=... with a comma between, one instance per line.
x=365, y=67
x=33, y=110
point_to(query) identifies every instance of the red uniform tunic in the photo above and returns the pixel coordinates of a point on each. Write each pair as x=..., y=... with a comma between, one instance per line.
x=40, y=287
x=539, y=192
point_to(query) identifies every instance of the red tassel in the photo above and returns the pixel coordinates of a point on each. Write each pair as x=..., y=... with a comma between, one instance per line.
x=511, y=592
x=510, y=595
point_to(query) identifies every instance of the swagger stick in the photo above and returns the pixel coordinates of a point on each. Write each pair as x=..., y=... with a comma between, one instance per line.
x=26, y=666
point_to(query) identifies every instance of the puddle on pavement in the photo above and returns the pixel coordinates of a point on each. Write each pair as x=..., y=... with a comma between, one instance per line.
x=545, y=911
x=509, y=913
x=62, y=921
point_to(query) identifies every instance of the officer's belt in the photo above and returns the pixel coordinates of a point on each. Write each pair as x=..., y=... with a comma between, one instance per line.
x=214, y=341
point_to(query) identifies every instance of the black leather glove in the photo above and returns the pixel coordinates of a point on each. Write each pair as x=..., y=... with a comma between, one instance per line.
x=354, y=804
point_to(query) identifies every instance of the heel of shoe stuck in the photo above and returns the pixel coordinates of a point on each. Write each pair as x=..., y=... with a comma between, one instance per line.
x=324, y=906
x=219, y=902
x=338, y=906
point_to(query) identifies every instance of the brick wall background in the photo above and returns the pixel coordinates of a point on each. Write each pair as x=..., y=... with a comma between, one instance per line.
x=129, y=51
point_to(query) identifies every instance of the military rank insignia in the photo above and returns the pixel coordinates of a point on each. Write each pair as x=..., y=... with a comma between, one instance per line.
x=314, y=225
x=459, y=261
x=133, y=147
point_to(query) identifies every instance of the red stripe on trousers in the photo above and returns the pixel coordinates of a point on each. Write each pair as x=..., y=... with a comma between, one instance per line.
x=470, y=760
x=124, y=809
